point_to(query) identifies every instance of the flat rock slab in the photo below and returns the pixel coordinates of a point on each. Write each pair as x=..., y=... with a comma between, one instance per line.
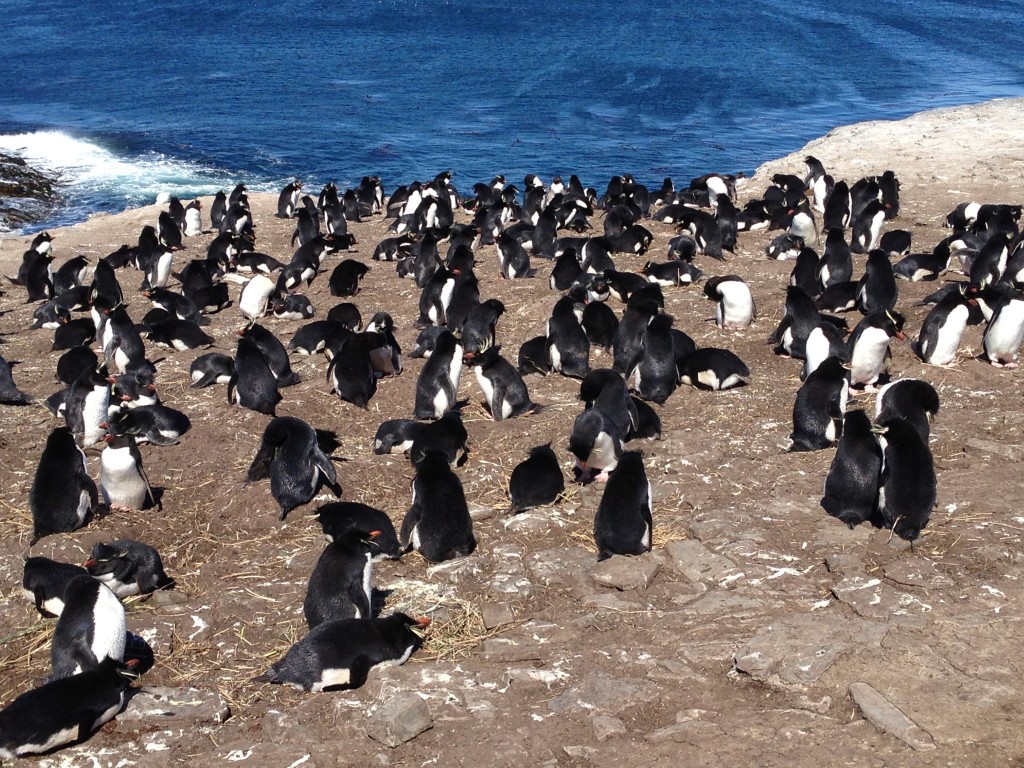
x=399, y=720
x=795, y=651
x=607, y=694
x=626, y=573
x=560, y=567
x=872, y=598
x=886, y=716
x=917, y=572
x=695, y=562
x=166, y=708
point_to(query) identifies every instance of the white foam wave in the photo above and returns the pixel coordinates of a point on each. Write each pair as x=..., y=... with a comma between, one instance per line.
x=92, y=171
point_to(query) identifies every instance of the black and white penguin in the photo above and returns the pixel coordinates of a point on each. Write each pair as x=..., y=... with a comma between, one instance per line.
x=288, y=200
x=253, y=384
x=655, y=376
x=123, y=482
x=437, y=525
x=820, y=407
x=170, y=232
x=623, y=524
x=851, y=486
x=912, y=400
x=345, y=278
x=156, y=424
x=714, y=369
x=91, y=627
x=44, y=581
x=837, y=207
x=86, y=406
x=128, y=567
x=211, y=368
x=939, y=339
x=318, y=336
x=785, y=247
x=9, y=392
x=568, y=347
x=339, y=655
x=825, y=340
x=193, y=219
x=803, y=224
x=437, y=387
x=447, y=435
x=867, y=228
x=836, y=264
x=513, y=260
x=816, y=182
x=565, y=271
x=435, y=298
x=347, y=314
x=840, y=297
x=1005, y=331
x=868, y=346
x=877, y=290
x=255, y=297
x=918, y=267
x=396, y=435
x=533, y=356
x=340, y=585
x=799, y=319
x=73, y=362
x=62, y=495
x=600, y=323
x=597, y=443
x=805, y=272
x=64, y=711
x=627, y=345
x=674, y=272
x=907, y=483
x=351, y=373
x=478, y=332
x=536, y=481
x=504, y=390
x=178, y=334
x=291, y=456
x=735, y=304
x=338, y=517
x=295, y=306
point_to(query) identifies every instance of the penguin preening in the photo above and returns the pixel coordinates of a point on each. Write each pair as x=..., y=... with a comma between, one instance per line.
x=291, y=456
x=91, y=627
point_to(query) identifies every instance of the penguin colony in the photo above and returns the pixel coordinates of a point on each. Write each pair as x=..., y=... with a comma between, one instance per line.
x=607, y=328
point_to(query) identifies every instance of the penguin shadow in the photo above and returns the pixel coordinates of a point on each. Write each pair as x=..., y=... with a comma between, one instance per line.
x=378, y=600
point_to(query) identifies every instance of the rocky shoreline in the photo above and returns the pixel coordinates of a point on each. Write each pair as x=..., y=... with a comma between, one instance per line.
x=27, y=195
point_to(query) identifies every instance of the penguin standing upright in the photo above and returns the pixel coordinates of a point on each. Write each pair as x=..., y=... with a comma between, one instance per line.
x=63, y=711
x=339, y=655
x=123, y=482
x=907, y=484
x=86, y=407
x=351, y=373
x=288, y=200
x=820, y=406
x=536, y=481
x=836, y=264
x=193, y=219
x=913, y=400
x=567, y=344
x=1005, y=331
x=825, y=340
x=939, y=339
x=837, y=207
x=504, y=390
x=437, y=525
x=868, y=346
x=735, y=304
x=253, y=384
x=127, y=567
x=62, y=494
x=655, y=376
x=877, y=290
x=291, y=456
x=9, y=392
x=478, y=332
x=623, y=524
x=437, y=388
x=340, y=585
x=800, y=318
x=91, y=627
x=851, y=487
x=867, y=227
x=803, y=224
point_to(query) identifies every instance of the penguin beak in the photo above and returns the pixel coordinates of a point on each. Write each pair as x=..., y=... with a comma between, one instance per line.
x=89, y=563
x=421, y=625
x=374, y=535
x=901, y=335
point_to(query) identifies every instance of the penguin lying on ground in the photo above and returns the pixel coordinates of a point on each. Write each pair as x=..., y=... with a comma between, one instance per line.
x=128, y=567
x=536, y=481
x=337, y=517
x=339, y=655
x=44, y=582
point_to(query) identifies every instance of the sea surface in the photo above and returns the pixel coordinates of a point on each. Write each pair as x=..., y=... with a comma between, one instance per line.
x=128, y=99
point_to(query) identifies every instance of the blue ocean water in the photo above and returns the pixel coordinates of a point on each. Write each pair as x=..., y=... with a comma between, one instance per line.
x=127, y=99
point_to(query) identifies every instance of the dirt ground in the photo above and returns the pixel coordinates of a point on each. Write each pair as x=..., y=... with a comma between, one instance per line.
x=740, y=642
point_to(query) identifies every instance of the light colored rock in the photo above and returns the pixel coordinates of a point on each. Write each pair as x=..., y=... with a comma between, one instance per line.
x=497, y=614
x=872, y=598
x=605, y=727
x=399, y=720
x=794, y=651
x=506, y=649
x=154, y=706
x=626, y=573
x=607, y=694
x=610, y=601
x=887, y=717
x=917, y=572
x=697, y=563
x=560, y=567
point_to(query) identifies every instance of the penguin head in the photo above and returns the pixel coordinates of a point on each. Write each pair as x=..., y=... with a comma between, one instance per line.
x=897, y=321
